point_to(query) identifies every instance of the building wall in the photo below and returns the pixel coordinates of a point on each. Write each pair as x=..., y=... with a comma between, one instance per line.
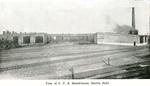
x=98, y=38
x=50, y=38
x=71, y=37
x=20, y=38
x=32, y=39
x=119, y=39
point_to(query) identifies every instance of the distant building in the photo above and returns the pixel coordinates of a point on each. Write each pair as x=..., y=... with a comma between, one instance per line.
x=27, y=39
x=24, y=39
x=131, y=38
x=121, y=39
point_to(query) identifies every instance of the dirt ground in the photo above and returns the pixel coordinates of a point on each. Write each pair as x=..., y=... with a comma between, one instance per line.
x=54, y=61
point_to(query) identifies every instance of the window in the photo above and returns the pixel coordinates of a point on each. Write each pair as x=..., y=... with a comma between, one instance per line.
x=26, y=39
x=39, y=39
x=141, y=39
x=15, y=39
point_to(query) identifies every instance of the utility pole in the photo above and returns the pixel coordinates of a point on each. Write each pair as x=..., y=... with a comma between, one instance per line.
x=72, y=72
x=149, y=24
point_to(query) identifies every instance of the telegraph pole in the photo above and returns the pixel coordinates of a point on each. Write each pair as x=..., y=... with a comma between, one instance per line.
x=149, y=25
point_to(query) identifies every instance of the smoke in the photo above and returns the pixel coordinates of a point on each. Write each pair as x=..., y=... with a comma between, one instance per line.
x=122, y=29
x=108, y=24
x=113, y=26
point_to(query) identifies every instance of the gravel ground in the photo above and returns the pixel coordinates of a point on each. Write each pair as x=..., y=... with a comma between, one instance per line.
x=54, y=61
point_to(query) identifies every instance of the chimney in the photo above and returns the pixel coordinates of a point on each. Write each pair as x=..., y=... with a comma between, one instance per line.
x=133, y=31
x=133, y=18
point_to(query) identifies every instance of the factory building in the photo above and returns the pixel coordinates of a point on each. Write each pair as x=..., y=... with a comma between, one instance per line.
x=120, y=39
x=133, y=37
x=29, y=39
x=130, y=38
x=24, y=39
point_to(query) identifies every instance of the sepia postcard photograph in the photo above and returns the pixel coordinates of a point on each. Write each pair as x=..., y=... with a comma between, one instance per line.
x=74, y=39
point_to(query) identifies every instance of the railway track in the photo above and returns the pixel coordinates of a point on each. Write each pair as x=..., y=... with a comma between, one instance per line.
x=62, y=60
x=116, y=72
x=107, y=71
x=140, y=70
x=68, y=54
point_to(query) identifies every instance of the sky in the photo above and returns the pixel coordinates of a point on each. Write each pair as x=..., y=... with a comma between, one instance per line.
x=70, y=16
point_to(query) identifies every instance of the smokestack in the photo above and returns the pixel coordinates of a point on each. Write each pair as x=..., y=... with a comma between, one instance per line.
x=133, y=18
x=133, y=31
